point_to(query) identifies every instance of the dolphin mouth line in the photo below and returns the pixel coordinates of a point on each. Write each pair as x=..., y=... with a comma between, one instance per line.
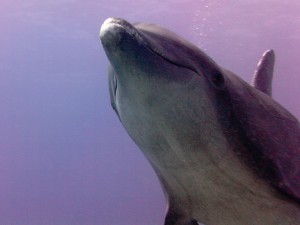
x=142, y=39
x=131, y=30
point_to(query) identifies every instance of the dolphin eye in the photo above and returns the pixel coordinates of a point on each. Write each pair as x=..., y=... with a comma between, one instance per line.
x=217, y=79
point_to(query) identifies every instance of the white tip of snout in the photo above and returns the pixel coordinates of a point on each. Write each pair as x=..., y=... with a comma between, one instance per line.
x=106, y=26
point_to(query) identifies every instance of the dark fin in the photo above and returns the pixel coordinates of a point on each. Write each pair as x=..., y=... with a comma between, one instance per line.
x=173, y=217
x=193, y=222
x=262, y=78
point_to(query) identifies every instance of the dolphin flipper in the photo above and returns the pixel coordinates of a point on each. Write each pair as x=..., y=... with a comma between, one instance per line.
x=195, y=222
x=262, y=78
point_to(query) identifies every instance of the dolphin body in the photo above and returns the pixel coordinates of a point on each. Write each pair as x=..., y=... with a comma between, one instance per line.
x=225, y=152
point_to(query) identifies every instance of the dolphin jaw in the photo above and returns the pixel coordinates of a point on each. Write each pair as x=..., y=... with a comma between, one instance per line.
x=112, y=30
x=108, y=27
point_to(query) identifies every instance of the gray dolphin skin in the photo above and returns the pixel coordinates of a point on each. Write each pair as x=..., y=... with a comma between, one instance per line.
x=225, y=152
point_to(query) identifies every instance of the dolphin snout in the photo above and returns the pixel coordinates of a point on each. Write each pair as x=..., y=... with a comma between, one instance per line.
x=114, y=30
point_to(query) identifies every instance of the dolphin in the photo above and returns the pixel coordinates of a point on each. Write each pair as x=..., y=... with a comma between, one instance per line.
x=225, y=152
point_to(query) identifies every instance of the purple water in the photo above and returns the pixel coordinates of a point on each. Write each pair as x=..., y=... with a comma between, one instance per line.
x=64, y=157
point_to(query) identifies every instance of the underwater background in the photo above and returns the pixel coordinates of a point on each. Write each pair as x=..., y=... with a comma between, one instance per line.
x=65, y=159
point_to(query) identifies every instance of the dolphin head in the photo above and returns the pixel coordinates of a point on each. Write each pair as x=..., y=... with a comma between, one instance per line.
x=154, y=71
